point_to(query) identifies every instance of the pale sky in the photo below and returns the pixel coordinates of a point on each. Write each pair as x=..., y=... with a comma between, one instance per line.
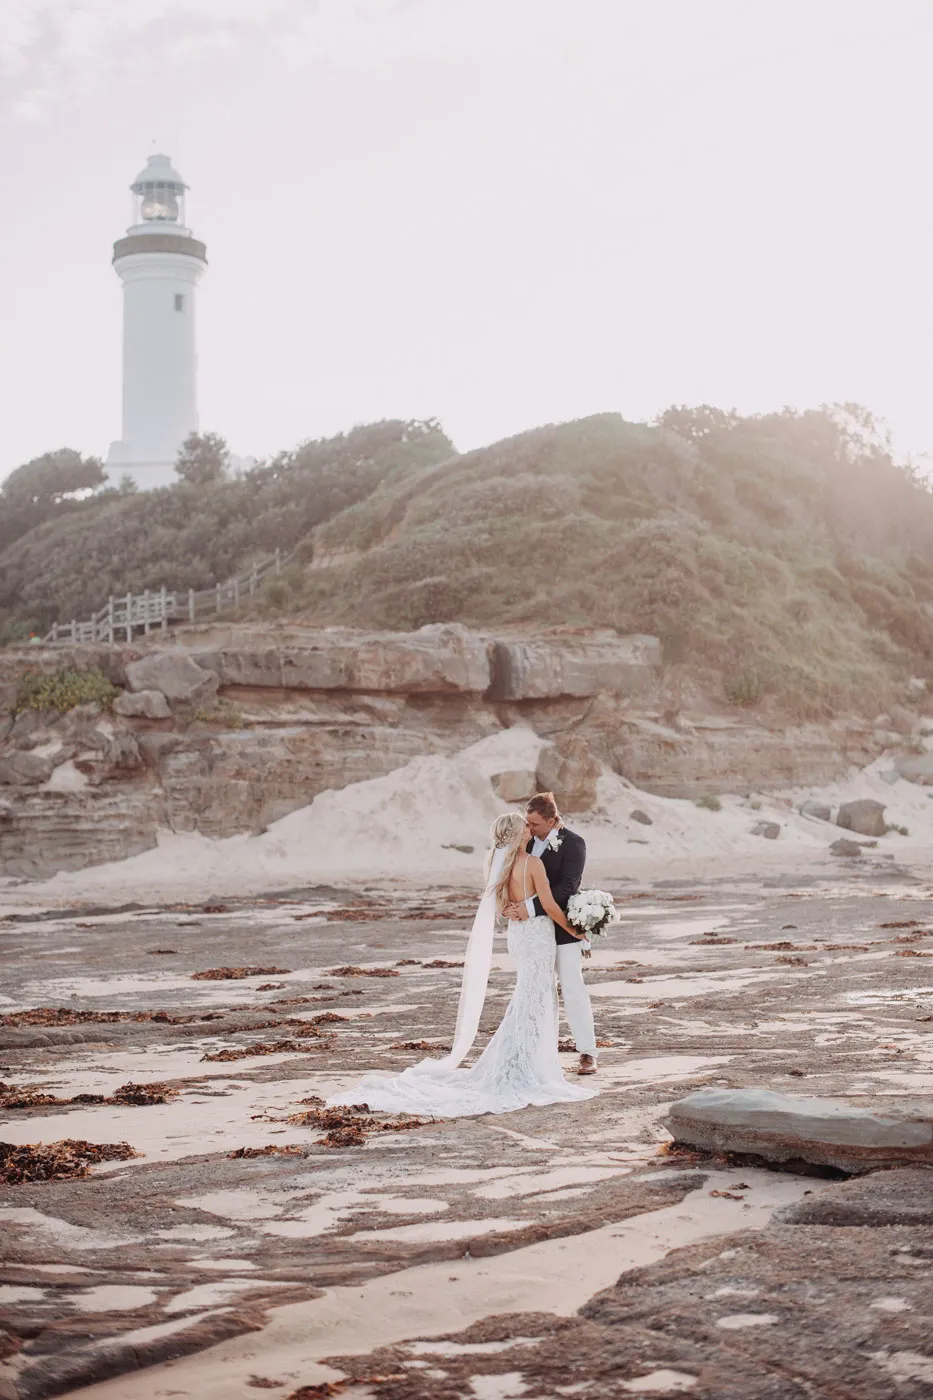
x=498, y=212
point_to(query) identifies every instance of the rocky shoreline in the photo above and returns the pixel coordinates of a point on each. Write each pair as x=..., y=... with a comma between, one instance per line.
x=569, y=1247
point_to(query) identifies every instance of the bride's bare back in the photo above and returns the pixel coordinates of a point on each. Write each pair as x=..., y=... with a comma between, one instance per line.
x=529, y=877
x=521, y=885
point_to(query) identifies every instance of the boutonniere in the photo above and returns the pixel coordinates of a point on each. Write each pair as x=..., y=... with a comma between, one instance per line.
x=555, y=840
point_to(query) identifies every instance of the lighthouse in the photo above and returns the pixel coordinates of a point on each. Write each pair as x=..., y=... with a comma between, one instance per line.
x=160, y=264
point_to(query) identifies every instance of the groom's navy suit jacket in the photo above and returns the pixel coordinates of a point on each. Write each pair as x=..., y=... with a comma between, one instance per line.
x=565, y=872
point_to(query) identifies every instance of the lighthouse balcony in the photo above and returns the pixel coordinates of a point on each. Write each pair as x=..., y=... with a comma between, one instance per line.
x=159, y=243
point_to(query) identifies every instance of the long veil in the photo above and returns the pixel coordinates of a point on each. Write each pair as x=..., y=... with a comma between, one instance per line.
x=476, y=966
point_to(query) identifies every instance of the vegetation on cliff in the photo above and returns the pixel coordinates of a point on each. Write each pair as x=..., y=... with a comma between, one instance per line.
x=785, y=554
x=63, y=551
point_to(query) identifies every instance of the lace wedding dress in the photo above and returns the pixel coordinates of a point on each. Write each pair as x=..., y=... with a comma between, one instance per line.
x=519, y=1066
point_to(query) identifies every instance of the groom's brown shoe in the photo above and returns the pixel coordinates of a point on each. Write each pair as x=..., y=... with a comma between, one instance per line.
x=587, y=1065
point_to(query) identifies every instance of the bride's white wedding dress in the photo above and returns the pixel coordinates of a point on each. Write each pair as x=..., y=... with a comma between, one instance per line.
x=519, y=1066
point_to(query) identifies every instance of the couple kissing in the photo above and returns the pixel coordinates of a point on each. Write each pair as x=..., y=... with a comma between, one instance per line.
x=533, y=867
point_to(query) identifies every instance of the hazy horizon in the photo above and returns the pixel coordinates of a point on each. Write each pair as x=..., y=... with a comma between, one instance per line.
x=496, y=214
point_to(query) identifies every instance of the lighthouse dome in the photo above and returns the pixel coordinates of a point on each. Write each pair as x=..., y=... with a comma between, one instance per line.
x=159, y=171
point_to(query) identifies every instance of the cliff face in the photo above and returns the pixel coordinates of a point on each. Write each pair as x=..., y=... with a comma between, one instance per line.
x=223, y=730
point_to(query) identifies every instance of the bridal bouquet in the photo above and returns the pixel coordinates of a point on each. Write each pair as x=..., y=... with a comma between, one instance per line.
x=589, y=912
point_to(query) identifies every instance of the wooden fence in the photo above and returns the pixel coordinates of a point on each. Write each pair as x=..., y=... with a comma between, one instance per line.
x=123, y=616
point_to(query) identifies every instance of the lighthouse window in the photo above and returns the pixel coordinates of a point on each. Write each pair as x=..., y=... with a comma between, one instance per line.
x=179, y=301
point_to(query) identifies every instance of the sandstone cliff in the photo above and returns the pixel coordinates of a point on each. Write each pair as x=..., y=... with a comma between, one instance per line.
x=225, y=729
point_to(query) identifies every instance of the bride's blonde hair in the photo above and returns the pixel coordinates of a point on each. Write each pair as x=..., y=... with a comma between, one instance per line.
x=507, y=832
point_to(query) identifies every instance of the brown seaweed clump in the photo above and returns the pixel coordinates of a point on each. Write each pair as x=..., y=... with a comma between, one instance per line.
x=271, y=1150
x=427, y=1045
x=236, y=974
x=352, y=971
x=143, y=1094
x=28, y=1096
x=69, y=1016
x=350, y=1127
x=327, y=1389
x=57, y=1161
x=266, y=1047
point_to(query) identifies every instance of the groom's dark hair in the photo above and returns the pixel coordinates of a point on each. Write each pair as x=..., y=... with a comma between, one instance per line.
x=544, y=804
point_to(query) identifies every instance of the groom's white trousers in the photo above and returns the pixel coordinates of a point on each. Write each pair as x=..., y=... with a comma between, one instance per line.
x=576, y=998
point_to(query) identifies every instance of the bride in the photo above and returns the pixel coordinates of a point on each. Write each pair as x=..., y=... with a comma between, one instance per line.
x=519, y=1065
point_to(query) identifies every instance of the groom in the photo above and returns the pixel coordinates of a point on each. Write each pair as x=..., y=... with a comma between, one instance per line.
x=563, y=854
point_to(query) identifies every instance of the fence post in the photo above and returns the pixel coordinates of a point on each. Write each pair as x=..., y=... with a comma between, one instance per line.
x=74, y=630
x=110, y=619
x=253, y=581
x=164, y=610
x=218, y=602
x=129, y=617
x=190, y=604
x=278, y=562
x=236, y=592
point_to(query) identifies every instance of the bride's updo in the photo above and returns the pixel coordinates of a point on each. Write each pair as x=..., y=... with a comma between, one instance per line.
x=507, y=830
x=507, y=834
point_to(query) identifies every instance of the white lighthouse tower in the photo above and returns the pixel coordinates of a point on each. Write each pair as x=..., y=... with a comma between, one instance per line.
x=160, y=265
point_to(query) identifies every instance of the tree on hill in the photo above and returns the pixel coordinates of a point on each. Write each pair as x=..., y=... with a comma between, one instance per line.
x=40, y=489
x=203, y=459
x=54, y=477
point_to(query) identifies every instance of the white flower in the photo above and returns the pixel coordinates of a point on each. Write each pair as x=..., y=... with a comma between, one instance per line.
x=554, y=839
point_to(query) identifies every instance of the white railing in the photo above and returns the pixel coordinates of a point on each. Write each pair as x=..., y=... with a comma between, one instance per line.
x=123, y=615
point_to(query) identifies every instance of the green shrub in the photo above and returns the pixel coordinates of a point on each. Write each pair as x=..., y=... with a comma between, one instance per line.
x=709, y=802
x=276, y=592
x=901, y=830
x=224, y=712
x=63, y=690
x=744, y=687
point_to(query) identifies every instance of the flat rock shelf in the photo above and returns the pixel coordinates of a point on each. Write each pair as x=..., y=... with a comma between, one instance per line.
x=219, y=1236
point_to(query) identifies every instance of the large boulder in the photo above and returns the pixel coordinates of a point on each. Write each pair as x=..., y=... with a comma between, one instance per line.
x=569, y=769
x=902, y=721
x=786, y=1129
x=916, y=768
x=109, y=754
x=21, y=768
x=866, y=816
x=516, y=785
x=440, y=659
x=144, y=704
x=549, y=668
x=176, y=674
x=819, y=810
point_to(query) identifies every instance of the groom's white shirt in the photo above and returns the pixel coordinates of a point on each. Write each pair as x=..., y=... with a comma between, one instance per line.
x=539, y=846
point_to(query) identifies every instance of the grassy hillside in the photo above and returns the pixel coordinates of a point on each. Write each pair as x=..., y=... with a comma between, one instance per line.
x=183, y=536
x=786, y=554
